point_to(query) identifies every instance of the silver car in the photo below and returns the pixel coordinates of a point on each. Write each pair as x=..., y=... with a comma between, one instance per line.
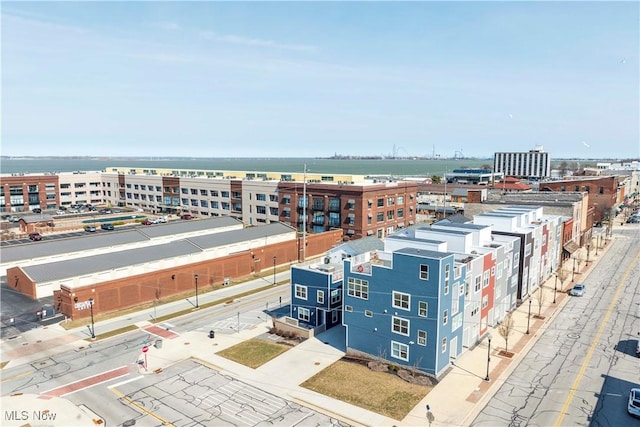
x=578, y=290
x=634, y=402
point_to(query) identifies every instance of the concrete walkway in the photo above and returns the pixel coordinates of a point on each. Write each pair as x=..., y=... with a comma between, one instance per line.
x=455, y=401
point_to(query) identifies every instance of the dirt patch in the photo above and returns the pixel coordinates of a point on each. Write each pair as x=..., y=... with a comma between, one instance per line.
x=538, y=316
x=508, y=354
x=381, y=392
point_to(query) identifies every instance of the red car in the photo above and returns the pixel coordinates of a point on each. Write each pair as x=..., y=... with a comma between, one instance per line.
x=35, y=237
x=186, y=216
x=146, y=222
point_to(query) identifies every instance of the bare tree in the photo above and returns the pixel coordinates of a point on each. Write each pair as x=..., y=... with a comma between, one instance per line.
x=562, y=276
x=505, y=329
x=540, y=299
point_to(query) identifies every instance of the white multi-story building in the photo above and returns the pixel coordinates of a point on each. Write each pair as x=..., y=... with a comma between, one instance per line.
x=535, y=164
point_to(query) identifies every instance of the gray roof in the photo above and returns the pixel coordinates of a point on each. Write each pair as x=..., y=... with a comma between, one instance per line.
x=458, y=219
x=359, y=246
x=423, y=253
x=188, y=226
x=105, y=262
x=125, y=258
x=47, y=248
x=36, y=218
x=229, y=237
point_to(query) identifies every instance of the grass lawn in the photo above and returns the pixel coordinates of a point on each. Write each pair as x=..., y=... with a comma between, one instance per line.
x=254, y=352
x=379, y=392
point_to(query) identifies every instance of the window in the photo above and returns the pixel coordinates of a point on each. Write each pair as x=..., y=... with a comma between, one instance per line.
x=400, y=325
x=261, y=197
x=336, y=296
x=224, y=194
x=600, y=190
x=445, y=317
x=485, y=301
x=444, y=345
x=368, y=313
x=401, y=213
x=527, y=249
x=401, y=300
x=455, y=306
x=301, y=292
x=456, y=322
x=320, y=297
x=499, y=274
x=358, y=288
x=399, y=350
x=486, y=279
x=424, y=272
x=477, y=284
x=493, y=271
x=422, y=337
x=400, y=200
x=423, y=308
x=380, y=203
x=213, y=193
x=380, y=216
x=303, y=314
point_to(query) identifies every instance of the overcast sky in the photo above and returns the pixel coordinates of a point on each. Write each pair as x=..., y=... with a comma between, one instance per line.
x=283, y=79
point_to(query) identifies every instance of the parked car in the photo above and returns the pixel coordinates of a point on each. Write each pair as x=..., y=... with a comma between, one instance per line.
x=90, y=229
x=14, y=218
x=633, y=220
x=107, y=226
x=60, y=212
x=36, y=237
x=634, y=402
x=161, y=219
x=147, y=222
x=36, y=210
x=578, y=290
x=105, y=211
x=186, y=216
x=6, y=217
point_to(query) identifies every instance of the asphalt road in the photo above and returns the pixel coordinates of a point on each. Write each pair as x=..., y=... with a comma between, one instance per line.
x=184, y=394
x=580, y=370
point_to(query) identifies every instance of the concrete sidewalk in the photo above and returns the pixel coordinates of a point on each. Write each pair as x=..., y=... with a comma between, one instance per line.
x=463, y=392
x=455, y=401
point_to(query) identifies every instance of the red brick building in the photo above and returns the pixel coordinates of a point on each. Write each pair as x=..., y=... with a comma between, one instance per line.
x=603, y=192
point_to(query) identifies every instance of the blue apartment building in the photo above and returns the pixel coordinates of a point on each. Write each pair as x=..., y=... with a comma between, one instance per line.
x=405, y=306
x=316, y=295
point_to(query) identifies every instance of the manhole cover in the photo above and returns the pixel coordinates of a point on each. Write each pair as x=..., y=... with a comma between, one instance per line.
x=573, y=335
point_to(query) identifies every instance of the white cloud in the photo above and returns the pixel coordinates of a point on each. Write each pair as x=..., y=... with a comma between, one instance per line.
x=246, y=41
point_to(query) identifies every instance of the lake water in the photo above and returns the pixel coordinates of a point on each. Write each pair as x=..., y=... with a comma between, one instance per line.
x=356, y=167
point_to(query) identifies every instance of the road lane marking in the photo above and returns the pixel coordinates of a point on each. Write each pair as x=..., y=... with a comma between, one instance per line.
x=130, y=380
x=594, y=343
x=142, y=409
x=88, y=382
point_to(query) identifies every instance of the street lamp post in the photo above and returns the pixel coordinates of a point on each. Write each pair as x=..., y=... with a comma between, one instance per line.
x=93, y=326
x=597, y=243
x=528, y=317
x=555, y=288
x=488, y=358
x=588, y=250
x=196, y=277
x=573, y=271
x=274, y=270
